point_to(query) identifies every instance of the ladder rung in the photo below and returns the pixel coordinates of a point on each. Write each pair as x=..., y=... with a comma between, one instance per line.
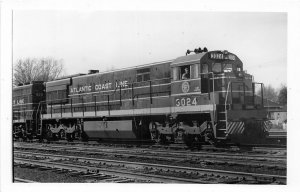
x=221, y=129
x=222, y=120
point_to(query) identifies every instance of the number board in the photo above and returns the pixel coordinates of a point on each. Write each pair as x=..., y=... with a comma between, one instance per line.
x=186, y=101
x=222, y=56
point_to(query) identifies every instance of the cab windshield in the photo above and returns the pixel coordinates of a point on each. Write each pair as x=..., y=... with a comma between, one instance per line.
x=216, y=68
x=220, y=68
x=227, y=68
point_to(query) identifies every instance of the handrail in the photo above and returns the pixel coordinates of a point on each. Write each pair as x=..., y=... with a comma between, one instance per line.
x=150, y=90
x=226, y=97
x=17, y=105
x=63, y=101
x=36, y=115
x=213, y=93
x=153, y=80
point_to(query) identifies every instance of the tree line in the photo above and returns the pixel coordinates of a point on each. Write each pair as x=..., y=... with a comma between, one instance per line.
x=36, y=69
x=278, y=96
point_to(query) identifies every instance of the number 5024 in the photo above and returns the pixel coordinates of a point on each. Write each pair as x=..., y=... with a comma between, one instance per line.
x=186, y=101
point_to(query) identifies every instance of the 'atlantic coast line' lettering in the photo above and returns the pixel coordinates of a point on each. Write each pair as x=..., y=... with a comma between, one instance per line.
x=98, y=87
x=18, y=101
x=104, y=86
x=81, y=89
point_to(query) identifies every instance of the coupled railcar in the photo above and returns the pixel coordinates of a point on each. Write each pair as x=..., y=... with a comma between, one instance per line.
x=27, y=101
x=204, y=97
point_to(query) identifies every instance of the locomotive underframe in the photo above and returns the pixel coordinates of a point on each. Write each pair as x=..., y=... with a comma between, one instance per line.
x=24, y=129
x=171, y=128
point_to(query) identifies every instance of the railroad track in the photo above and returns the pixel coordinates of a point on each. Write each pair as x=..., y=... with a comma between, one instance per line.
x=161, y=153
x=173, y=158
x=90, y=147
x=117, y=176
x=259, y=163
x=194, y=175
x=228, y=147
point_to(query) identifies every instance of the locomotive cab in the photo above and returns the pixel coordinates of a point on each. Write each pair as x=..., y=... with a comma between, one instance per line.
x=213, y=90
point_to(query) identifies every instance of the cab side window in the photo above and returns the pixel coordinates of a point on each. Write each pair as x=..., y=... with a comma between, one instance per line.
x=204, y=68
x=185, y=72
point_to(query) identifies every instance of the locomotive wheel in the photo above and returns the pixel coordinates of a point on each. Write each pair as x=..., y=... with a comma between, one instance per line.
x=188, y=140
x=145, y=131
x=24, y=138
x=162, y=139
x=62, y=134
x=69, y=137
x=54, y=137
x=209, y=135
x=84, y=137
x=20, y=135
x=49, y=135
x=155, y=135
x=77, y=135
x=192, y=141
x=29, y=136
x=41, y=140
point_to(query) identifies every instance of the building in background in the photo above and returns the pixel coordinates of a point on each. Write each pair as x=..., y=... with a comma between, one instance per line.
x=277, y=114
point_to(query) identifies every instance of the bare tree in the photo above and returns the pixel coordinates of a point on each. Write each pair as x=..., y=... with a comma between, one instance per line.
x=269, y=93
x=44, y=69
x=282, y=96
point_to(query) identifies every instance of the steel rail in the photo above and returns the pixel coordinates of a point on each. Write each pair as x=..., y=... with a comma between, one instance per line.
x=151, y=144
x=119, y=173
x=135, y=165
x=229, y=148
x=165, y=153
x=229, y=153
x=207, y=158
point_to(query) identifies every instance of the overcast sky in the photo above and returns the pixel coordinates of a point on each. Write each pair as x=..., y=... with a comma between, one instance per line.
x=106, y=39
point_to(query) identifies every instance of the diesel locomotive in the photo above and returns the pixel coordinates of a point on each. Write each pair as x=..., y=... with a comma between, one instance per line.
x=27, y=100
x=202, y=97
